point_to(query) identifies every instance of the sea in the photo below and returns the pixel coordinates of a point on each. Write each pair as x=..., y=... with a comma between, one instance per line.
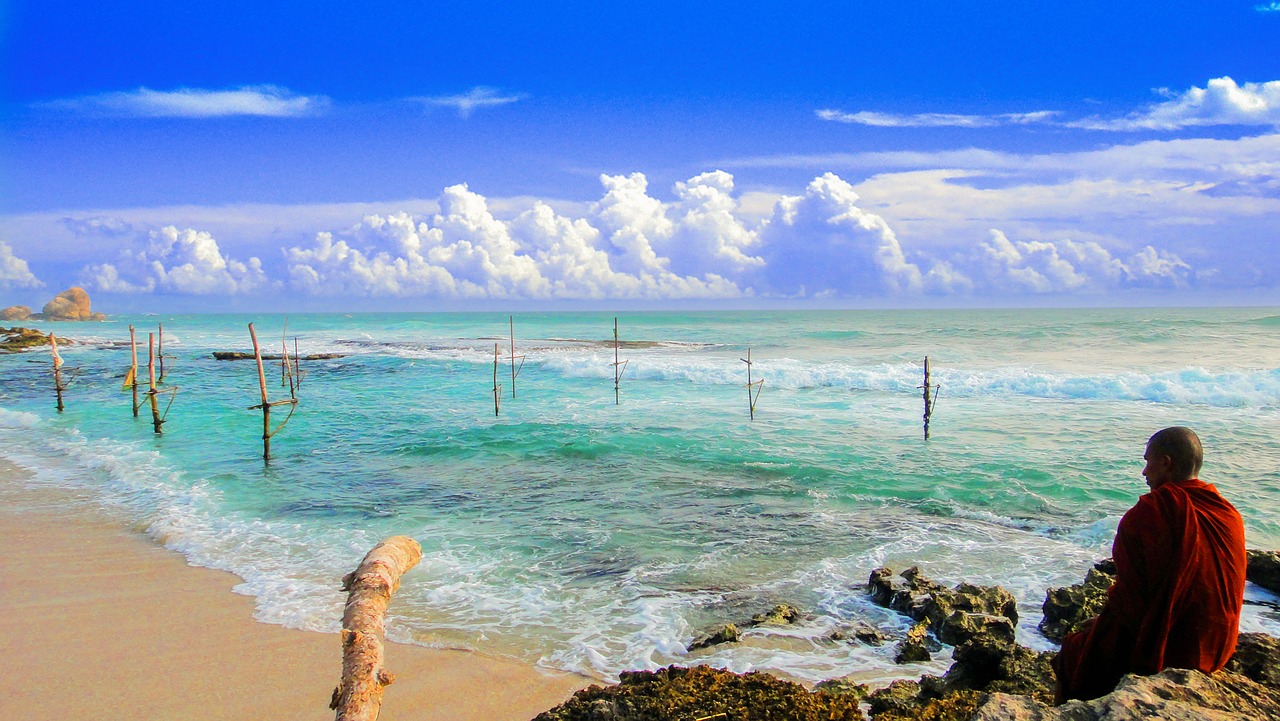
x=623, y=498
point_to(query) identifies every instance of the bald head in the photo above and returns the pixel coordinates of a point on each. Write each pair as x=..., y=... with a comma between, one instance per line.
x=1182, y=446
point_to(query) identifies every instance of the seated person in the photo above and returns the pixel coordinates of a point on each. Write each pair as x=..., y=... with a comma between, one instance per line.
x=1180, y=572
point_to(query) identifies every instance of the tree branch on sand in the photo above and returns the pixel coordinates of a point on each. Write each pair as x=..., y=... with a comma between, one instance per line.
x=358, y=696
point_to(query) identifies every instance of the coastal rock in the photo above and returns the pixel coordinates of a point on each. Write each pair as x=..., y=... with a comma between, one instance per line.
x=700, y=692
x=899, y=696
x=949, y=611
x=724, y=634
x=1066, y=609
x=1264, y=569
x=15, y=312
x=962, y=626
x=1257, y=658
x=71, y=304
x=242, y=355
x=915, y=647
x=17, y=339
x=989, y=664
x=781, y=614
x=859, y=631
x=843, y=686
x=1170, y=694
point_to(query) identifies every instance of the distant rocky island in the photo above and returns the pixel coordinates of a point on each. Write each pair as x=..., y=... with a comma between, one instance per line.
x=71, y=304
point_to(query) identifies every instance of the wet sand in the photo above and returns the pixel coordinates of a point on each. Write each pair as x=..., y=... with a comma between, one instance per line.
x=96, y=620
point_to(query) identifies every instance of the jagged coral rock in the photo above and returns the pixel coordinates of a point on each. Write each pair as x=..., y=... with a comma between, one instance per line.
x=16, y=339
x=915, y=647
x=1170, y=694
x=783, y=613
x=724, y=634
x=900, y=695
x=949, y=611
x=1066, y=609
x=1257, y=658
x=1264, y=569
x=679, y=694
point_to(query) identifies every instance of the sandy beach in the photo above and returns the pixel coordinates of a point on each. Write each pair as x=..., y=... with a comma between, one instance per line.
x=99, y=621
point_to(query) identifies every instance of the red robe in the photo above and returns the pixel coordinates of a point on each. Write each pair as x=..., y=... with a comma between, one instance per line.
x=1180, y=572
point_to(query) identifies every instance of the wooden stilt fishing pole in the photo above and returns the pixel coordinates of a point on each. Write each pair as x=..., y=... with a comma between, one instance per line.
x=266, y=405
x=58, y=388
x=757, y=385
x=131, y=380
x=286, y=368
x=297, y=366
x=515, y=371
x=358, y=696
x=930, y=397
x=497, y=389
x=160, y=349
x=156, y=420
x=619, y=367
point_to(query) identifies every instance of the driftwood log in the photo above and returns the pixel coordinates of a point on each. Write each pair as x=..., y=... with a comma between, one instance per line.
x=358, y=696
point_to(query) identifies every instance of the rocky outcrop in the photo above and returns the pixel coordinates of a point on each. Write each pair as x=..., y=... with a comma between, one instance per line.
x=241, y=355
x=13, y=340
x=15, y=312
x=955, y=615
x=679, y=694
x=1264, y=569
x=915, y=648
x=1066, y=609
x=1257, y=658
x=780, y=615
x=71, y=304
x=1170, y=694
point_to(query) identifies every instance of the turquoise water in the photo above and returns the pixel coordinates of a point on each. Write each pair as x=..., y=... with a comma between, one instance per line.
x=579, y=533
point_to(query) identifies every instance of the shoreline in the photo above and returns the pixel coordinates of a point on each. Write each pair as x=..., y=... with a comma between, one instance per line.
x=100, y=620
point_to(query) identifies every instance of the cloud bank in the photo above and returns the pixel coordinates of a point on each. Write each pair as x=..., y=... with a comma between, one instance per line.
x=698, y=243
x=259, y=100
x=187, y=262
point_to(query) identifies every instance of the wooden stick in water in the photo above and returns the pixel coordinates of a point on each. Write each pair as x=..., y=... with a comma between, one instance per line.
x=358, y=696
x=156, y=421
x=512, y=320
x=758, y=385
x=133, y=368
x=619, y=366
x=497, y=389
x=160, y=348
x=266, y=405
x=930, y=397
x=284, y=354
x=58, y=388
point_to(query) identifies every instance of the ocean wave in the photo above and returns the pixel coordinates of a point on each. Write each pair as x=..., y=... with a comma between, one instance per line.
x=1195, y=386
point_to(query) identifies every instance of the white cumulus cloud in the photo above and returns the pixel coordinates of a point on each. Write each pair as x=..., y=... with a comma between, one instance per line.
x=179, y=261
x=464, y=251
x=1221, y=102
x=14, y=272
x=822, y=243
x=1018, y=267
x=260, y=100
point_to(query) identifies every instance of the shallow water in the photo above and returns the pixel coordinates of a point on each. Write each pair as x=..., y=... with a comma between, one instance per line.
x=580, y=533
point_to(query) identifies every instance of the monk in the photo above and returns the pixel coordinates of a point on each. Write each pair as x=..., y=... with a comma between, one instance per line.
x=1180, y=572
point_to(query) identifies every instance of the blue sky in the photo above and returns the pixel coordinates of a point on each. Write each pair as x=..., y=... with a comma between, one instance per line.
x=396, y=155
